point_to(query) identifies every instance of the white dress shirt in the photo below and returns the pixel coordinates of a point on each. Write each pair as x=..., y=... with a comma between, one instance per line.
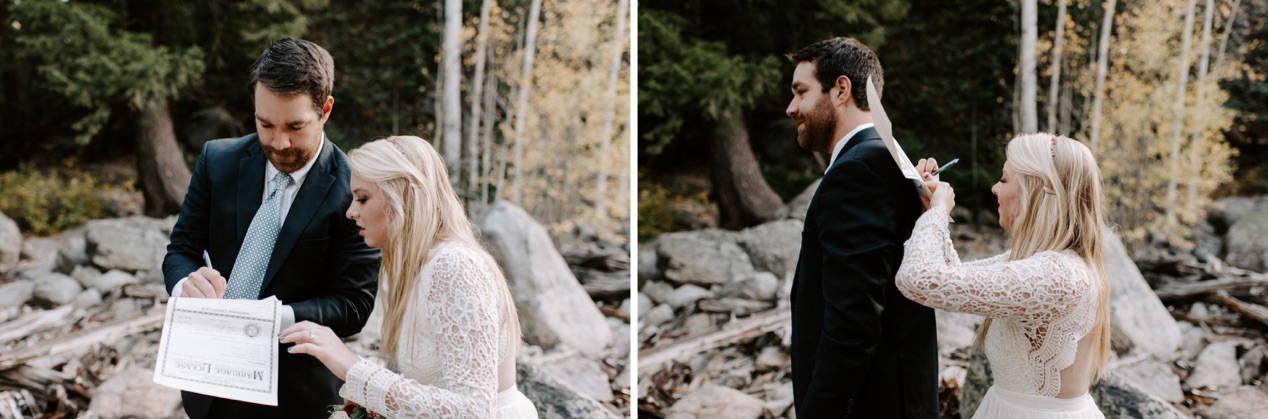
x=841, y=144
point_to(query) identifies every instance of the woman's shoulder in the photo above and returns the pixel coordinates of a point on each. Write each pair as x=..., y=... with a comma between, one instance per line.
x=454, y=254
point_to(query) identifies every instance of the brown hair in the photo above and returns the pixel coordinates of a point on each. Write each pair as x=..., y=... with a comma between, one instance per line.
x=841, y=56
x=295, y=66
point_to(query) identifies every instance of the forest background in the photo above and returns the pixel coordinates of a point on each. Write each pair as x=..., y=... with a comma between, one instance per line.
x=1170, y=94
x=105, y=101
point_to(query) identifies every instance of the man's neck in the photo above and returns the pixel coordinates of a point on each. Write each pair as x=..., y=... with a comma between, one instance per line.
x=847, y=123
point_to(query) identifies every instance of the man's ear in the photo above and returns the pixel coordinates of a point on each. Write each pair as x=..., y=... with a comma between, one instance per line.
x=844, y=88
x=325, y=108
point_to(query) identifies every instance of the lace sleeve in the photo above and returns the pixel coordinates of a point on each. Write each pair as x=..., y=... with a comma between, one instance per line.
x=1042, y=287
x=463, y=308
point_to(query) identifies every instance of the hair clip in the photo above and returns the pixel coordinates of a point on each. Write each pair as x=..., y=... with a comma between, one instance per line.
x=1052, y=149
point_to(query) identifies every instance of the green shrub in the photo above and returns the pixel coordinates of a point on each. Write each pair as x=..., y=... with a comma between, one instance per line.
x=654, y=216
x=44, y=202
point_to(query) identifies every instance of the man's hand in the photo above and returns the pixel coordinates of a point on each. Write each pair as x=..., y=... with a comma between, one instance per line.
x=204, y=283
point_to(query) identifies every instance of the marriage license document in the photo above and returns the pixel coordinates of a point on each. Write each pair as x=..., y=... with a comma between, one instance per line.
x=221, y=348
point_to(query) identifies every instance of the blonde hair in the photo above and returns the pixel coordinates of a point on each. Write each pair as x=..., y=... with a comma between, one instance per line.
x=422, y=211
x=1059, y=207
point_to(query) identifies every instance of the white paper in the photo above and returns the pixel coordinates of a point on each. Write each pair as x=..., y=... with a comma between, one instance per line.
x=886, y=132
x=221, y=348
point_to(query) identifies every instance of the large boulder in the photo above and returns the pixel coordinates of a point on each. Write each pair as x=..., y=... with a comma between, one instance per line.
x=1237, y=403
x=1120, y=399
x=705, y=257
x=554, y=308
x=1155, y=378
x=1138, y=316
x=773, y=247
x=132, y=393
x=556, y=399
x=1216, y=367
x=129, y=244
x=10, y=244
x=1246, y=247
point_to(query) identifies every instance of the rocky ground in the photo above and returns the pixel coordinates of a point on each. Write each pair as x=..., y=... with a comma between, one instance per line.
x=1189, y=324
x=81, y=313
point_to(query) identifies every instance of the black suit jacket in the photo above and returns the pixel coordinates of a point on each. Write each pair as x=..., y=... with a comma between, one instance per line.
x=859, y=348
x=320, y=266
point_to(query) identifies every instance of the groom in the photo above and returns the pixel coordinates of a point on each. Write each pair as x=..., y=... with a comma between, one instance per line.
x=859, y=348
x=269, y=210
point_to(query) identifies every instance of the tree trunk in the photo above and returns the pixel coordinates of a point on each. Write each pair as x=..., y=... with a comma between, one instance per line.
x=490, y=90
x=1029, y=86
x=521, y=108
x=477, y=99
x=453, y=75
x=1055, y=80
x=609, y=114
x=1228, y=29
x=1195, y=140
x=744, y=198
x=1177, y=112
x=1102, y=64
x=161, y=168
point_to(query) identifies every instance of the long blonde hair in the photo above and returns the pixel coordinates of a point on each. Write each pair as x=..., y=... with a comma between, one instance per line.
x=422, y=211
x=1060, y=207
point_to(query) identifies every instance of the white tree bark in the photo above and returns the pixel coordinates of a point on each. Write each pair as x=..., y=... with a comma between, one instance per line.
x=1029, y=86
x=1228, y=29
x=452, y=64
x=1102, y=64
x=1177, y=112
x=609, y=115
x=521, y=107
x=1055, y=80
x=1195, y=140
x=477, y=99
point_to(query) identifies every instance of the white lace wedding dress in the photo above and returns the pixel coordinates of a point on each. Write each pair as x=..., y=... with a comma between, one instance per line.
x=1040, y=306
x=449, y=369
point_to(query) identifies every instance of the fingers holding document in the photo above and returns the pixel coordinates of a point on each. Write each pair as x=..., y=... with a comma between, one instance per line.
x=204, y=283
x=321, y=343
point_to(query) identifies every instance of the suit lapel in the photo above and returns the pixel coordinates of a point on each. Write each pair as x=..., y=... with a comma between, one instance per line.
x=309, y=199
x=250, y=188
x=866, y=134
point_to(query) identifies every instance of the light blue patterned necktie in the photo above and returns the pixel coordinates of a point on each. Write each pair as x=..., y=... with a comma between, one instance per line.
x=257, y=248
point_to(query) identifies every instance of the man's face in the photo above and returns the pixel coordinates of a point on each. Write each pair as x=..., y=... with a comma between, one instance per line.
x=811, y=108
x=290, y=129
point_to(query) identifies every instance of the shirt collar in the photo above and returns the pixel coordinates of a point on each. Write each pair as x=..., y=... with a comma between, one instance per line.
x=841, y=144
x=298, y=175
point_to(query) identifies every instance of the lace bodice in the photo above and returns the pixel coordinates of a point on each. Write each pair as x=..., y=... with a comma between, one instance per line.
x=449, y=364
x=1041, y=305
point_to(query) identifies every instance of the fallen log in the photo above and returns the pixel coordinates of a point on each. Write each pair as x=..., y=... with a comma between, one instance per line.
x=35, y=322
x=150, y=320
x=1255, y=312
x=653, y=359
x=1197, y=290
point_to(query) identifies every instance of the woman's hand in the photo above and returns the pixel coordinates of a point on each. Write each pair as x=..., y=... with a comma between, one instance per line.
x=321, y=342
x=943, y=195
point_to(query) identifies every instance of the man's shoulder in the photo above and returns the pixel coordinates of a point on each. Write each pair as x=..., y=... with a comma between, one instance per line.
x=229, y=146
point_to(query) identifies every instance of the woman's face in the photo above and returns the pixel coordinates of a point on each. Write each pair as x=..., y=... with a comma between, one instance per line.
x=1006, y=193
x=369, y=210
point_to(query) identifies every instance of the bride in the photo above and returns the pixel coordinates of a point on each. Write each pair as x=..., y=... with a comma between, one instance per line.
x=450, y=329
x=1047, y=332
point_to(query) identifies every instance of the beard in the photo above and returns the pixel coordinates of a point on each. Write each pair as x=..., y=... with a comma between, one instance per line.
x=820, y=122
x=289, y=160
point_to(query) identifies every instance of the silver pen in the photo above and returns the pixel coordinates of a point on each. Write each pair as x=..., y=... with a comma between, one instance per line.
x=207, y=259
x=932, y=174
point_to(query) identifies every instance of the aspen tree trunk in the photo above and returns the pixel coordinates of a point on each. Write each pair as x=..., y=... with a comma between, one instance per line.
x=1177, y=112
x=521, y=108
x=1228, y=29
x=1029, y=34
x=490, y=90
x=609, y=115
x=1195, y=142
x=1102, y=64
x=453, y=75
x=1055, y=80
x=477, y=99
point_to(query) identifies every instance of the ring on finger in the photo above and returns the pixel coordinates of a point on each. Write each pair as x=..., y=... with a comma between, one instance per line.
x=311, y=336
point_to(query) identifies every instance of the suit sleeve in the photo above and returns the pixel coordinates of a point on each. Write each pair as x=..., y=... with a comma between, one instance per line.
x=857, y=229
x=189, y=235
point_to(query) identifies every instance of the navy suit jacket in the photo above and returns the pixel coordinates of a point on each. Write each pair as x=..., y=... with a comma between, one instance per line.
x=320, y=265
x=859, y=347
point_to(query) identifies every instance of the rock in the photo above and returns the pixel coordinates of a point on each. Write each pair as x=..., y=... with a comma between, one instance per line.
x=956, y=331
x=1244, y=243
x=705, y=257
x=10, y=244
x=555, y=399
x=129, y=244
x=1229, y=211
x=714, y=401
x=779, y=398
x=1237, y=403
x=697, y=323
x=773, y=247
x=1138, y=316
x=798, y=206
x=56, y=289
x=657, y=316
x=685, y=295
x=619, y=346
x=17, y=293
x=583, y=375
x=657, y=291
x=1155, y=378
x=1120, y=399
x=1192, y=341
x=73, y=252
x=1252, y=363
x=86, y=275
x=1207, y=244
x=626, y=309
x=644, y=304
x=40, y=256
x=90, y=297
x=1216, y=367
x=976, y=381
x=771, y=358
x=760, y=286
x=133, y=393
x=555, y=309
x=114, y=279
x=647, y=269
